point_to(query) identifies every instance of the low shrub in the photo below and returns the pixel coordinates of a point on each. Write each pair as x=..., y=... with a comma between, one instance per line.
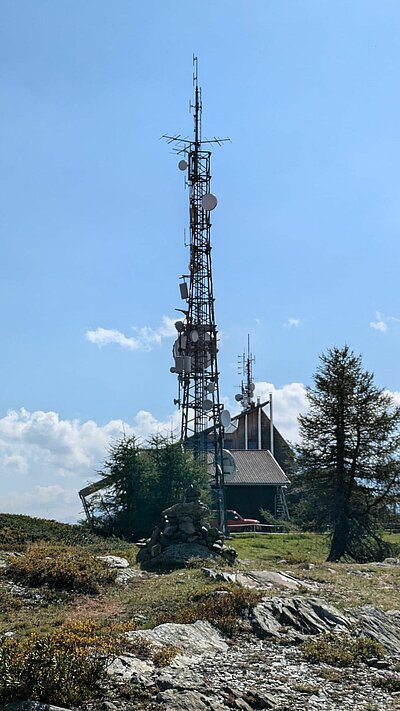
x=285, y=526
x=390, y=683
x=62, y=667
x=226, y=609
x=341, y=650
x=60, y=568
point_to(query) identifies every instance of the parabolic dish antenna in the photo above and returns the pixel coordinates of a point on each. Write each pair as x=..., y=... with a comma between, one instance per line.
x=238, y=397
x=211, y=386
x=207, y=405
x=182, y=165
x=194, y=336
x=225, y=418
x=208, y=202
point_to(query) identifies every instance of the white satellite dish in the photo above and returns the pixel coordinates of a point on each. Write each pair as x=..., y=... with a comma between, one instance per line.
x=194, y=336
x=209, y=202
x=210, y=387
x=182, y=165
x=180, y=326
x=207, y=405
x=232, y=428
x=238, y=397
x=225, y=418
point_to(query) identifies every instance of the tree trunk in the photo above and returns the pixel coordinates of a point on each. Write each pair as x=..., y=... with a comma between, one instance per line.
x=339, y=539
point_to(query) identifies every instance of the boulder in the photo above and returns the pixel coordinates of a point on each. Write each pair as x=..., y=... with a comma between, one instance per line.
x=382, y=626
x=261, y=579
x=114, y=561
x=197, y=638
x=127, y=667
x=183, y=700
x=294, y=618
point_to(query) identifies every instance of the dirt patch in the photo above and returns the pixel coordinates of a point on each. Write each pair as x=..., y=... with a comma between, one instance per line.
x=97, y=608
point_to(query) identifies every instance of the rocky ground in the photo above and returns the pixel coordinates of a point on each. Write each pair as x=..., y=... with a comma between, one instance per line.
x=264, y=667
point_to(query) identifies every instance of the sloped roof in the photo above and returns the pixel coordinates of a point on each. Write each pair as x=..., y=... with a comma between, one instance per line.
x=255, y=467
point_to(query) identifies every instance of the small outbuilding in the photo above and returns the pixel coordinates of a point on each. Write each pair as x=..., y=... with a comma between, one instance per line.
x=262, y=458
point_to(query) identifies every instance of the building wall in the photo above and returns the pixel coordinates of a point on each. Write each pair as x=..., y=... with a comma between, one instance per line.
x=236, y=440
x=248, y=500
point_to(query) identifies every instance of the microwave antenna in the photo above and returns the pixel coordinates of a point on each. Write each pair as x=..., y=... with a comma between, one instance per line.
x=195, y=349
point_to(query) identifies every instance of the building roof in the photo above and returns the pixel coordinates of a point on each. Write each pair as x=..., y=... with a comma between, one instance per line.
x=255, y=467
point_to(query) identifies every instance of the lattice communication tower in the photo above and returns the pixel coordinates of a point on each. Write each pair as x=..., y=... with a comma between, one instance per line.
x=196, y=347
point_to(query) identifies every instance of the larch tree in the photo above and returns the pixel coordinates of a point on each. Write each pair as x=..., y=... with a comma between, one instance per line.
x=348, y=460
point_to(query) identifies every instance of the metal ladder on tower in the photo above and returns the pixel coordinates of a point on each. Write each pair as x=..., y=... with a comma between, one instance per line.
x=281, y=507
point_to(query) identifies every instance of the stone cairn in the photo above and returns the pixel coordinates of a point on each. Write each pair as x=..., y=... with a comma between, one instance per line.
x=185, y=535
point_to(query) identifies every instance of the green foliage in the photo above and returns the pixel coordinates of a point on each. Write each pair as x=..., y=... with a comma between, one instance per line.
x=341, y=650
x=390, y=683
x=59, y=568
x=348, y=462
x=63, y=667
x=17, y=530
x=145, y=482
x=284, y=526
x=225, y=608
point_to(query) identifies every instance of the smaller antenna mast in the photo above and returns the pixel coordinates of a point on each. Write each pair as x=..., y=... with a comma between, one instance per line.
x=247, y=387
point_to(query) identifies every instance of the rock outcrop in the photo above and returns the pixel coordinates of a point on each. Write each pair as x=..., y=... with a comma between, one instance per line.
x=292, y=619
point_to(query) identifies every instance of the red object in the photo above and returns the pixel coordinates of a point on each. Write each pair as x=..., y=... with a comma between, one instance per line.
x=237, y=524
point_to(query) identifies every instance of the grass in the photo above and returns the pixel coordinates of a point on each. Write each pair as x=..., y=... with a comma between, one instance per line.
x=173, y=595
x=75, y=601
x=304, y=556
x=291, y=547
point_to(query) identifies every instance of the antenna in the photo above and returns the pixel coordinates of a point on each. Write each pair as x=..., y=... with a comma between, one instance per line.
x=196, y=346
x=245, y=369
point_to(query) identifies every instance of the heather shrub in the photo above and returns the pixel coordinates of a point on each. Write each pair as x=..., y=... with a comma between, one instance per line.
x=226, y=609
x=341, y=650
x=62, y=667
x=60, y=568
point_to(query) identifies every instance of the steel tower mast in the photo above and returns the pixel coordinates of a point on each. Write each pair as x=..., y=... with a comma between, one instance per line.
x=195, y=350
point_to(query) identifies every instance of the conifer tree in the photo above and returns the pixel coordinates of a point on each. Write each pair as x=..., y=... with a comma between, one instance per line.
x=349, y=460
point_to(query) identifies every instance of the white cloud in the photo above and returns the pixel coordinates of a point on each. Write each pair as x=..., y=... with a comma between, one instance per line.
x=104, y=336
x=288, y=402
x=378, y=325
x=292, y=322
x=144, y=338
x=382, y=322
x=45, y=460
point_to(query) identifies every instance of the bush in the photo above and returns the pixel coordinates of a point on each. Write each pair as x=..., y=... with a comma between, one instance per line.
x=389, y=683
x=60, y=568
x=224, y=609
x=285, y=526
x=341, y=650
x=63, y=667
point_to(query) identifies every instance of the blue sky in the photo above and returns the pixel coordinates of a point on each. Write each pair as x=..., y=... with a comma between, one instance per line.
x=305, y=235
